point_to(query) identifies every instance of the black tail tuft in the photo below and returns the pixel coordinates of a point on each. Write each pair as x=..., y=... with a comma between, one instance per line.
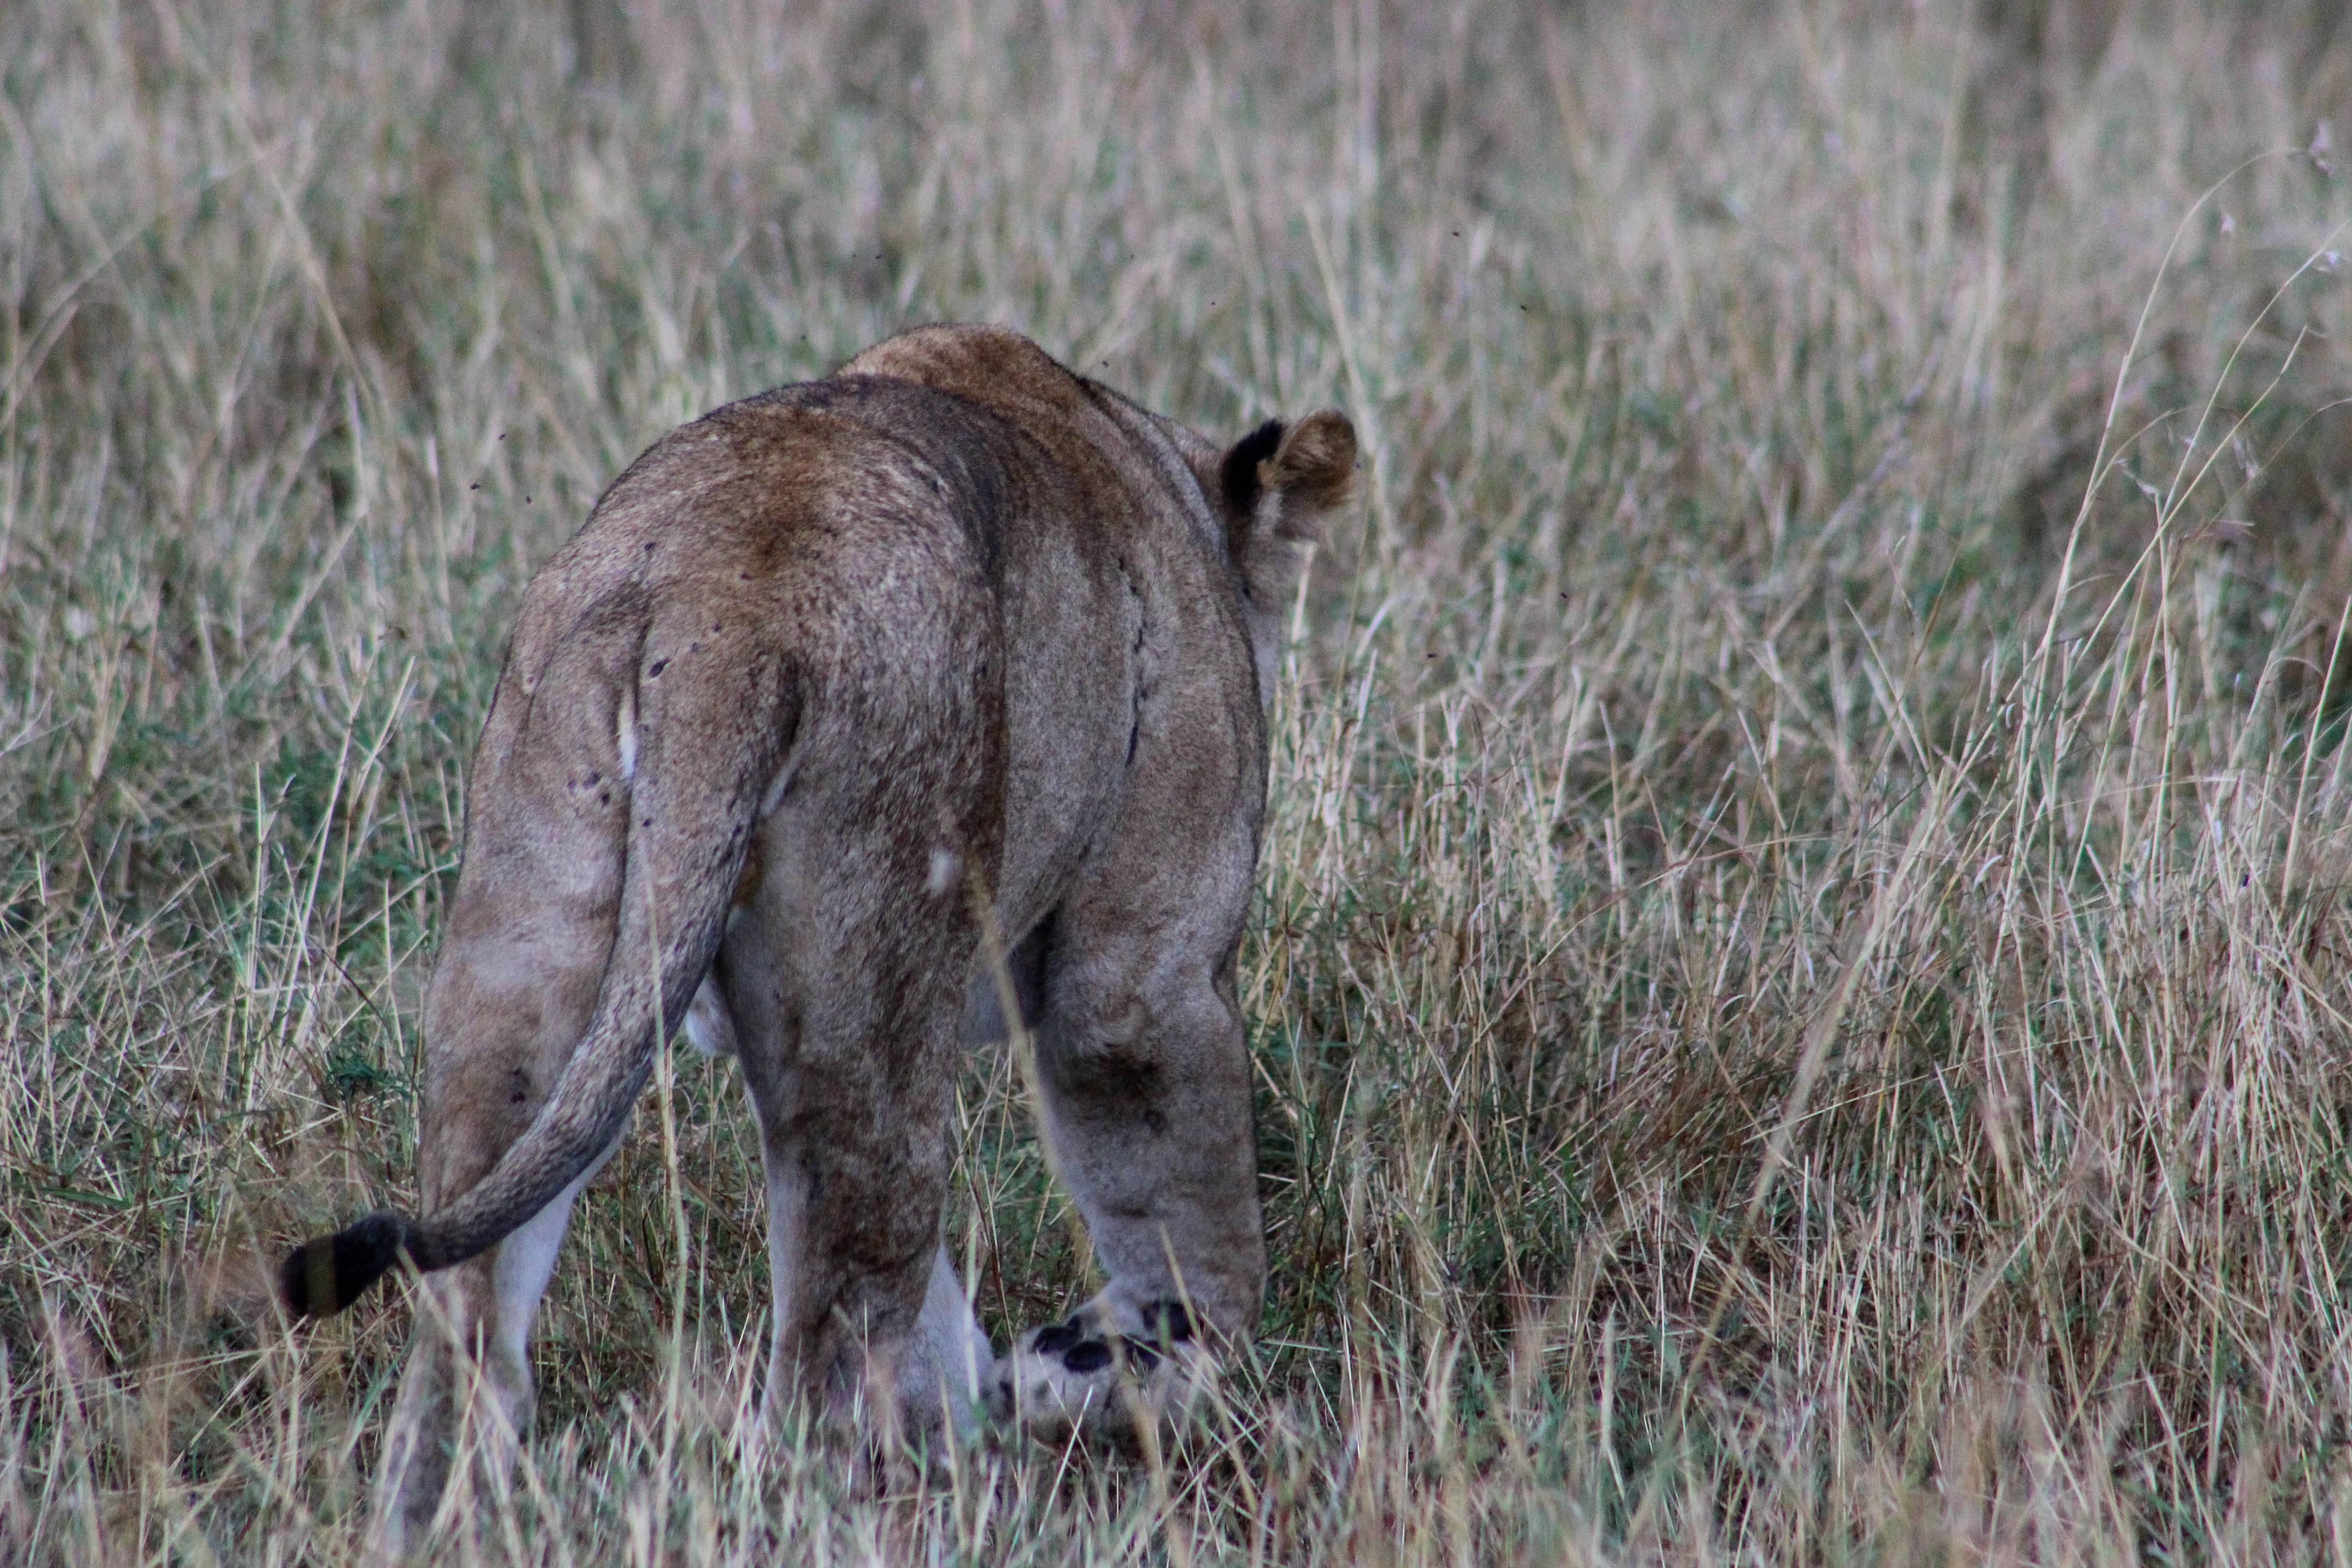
x=321, y=1278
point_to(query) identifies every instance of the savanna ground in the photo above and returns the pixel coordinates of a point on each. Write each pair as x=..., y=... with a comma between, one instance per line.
x=1801, y=991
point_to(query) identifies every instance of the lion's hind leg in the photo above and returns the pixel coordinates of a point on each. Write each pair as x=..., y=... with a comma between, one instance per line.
x=468, y=1387
x=469, y=1354
x=528, y=936
x=843, y=977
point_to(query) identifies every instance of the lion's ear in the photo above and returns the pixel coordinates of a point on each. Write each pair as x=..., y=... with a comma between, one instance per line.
x=1280, y=483
x=1299, y=474
x=1313, y=472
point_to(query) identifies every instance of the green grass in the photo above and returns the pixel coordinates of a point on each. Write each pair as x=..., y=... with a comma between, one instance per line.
x=1801, y=991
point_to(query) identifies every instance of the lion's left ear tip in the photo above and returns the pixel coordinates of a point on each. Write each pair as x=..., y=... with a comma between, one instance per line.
x=1332, y=425
x=1316, y=463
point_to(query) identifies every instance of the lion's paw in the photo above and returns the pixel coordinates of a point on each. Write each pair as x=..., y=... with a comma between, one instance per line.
x=1085, y=1378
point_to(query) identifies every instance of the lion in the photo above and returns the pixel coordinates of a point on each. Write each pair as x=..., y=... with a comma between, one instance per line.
x=859, y=714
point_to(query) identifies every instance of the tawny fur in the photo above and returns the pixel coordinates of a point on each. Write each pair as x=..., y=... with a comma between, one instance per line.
x=827, y=672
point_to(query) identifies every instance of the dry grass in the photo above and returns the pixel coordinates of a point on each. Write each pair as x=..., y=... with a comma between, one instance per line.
x=1801, y=991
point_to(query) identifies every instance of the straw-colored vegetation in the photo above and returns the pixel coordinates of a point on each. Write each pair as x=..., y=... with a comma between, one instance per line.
x=1801, y=985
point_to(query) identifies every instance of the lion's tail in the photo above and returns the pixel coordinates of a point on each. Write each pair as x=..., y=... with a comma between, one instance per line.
x=691, y=821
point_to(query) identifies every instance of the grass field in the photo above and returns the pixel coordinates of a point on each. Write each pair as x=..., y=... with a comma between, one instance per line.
x=1802, y=986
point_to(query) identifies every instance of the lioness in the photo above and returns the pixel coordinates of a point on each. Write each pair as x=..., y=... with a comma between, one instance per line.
x=834, y=680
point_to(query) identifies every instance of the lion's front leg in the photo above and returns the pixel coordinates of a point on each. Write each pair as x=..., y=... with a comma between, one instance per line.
x=1106, y=1375
x=1145, y=1076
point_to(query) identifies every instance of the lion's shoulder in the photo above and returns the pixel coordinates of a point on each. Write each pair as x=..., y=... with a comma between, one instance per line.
x=971, y=360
